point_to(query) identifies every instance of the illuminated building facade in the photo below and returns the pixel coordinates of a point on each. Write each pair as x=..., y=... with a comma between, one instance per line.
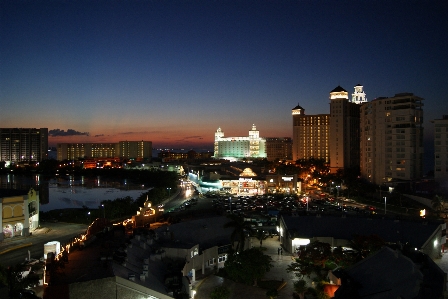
x=359, y=96
x=441, y=151
x=236, y=148
x=124, y=149
x=19, y=212
x=136, y=150
x=75, y=151
x=23, y=144
x=392, y=138
x=310, y=135
x=278, y=148
x=344, y=129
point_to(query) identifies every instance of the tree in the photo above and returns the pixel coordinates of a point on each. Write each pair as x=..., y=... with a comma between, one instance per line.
x=260, y=235
x=248, y=266
x=300, y=288
x=240, y=229
x=364, y=246
x=220, y=292
x=437, y=203
x=272, y=293
x=312, y=260
x=17, y=280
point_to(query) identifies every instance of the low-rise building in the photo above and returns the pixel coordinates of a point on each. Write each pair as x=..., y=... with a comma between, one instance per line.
x=19, y=212
x=425, y=236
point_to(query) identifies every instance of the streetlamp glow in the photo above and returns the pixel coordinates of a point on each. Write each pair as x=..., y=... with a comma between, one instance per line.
x=385, y=199
x=104, y=211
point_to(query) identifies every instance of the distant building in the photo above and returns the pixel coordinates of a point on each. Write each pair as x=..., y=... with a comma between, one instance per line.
x=344, y=129
x=392, y=138
x=136, y=150
x=23, y=144
x=278, y=148
x=75, y=151
x=441, y=151
x=310, y=135
x=168, y=156
x=237, y=148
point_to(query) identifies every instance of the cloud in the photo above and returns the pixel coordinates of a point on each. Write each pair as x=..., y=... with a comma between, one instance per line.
x=140, y=133
x=69, y=132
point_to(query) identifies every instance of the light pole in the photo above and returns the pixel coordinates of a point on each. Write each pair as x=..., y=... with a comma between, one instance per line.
x=385, y=199
x=104, y=211
x=88, y=215
x=169, y=191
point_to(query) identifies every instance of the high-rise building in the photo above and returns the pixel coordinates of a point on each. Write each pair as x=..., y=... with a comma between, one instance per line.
x=278, y=148
x=252, y=146
x=344, y=129
x=441, y=151
x=310, y=135
x=392, y=138
x=137, y=150
x=23, y=144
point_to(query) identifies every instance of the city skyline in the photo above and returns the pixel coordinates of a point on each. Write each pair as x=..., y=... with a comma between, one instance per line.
x=172, y=72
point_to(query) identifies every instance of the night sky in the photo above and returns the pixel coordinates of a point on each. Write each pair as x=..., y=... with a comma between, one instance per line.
x=174, y=71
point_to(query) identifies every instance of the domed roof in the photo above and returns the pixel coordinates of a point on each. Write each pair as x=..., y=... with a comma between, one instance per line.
x=339, y=89
x=247, y=172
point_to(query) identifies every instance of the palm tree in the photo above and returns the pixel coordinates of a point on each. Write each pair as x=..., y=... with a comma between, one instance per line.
x=300, y=288
x=260, y=235
x=240, y=229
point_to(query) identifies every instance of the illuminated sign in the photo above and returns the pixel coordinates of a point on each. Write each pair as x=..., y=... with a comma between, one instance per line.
x=245, y=180
x=287, y=178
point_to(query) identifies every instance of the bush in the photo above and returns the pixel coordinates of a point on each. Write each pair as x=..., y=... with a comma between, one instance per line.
x=220, y=292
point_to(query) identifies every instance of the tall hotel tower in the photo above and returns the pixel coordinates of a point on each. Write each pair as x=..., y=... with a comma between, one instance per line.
x=310, y=135
x=441, y=151
x=23, y=144
x=344, y=128
x=392, y=138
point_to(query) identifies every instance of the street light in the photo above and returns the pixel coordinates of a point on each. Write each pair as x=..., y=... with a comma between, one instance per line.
x=104, y=211
x=385, y=199
x=169, y=191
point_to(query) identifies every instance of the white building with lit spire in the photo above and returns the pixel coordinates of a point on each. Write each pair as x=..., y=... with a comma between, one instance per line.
x=236, y=148
x=359, y=96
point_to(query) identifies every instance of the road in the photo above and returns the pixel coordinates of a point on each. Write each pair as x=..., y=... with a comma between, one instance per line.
x=15, y=250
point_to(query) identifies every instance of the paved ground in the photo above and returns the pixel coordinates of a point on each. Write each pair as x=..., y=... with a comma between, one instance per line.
x=443, y=264
x=205, y=286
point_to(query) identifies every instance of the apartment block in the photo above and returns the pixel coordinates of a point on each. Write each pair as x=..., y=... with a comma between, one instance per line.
x=392, y=138
x=23, y=144
x=441, y=151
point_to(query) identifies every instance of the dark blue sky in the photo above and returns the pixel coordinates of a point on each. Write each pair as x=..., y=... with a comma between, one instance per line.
x=174, y=71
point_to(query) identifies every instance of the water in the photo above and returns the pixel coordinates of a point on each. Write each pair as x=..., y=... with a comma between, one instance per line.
x=73, y=192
